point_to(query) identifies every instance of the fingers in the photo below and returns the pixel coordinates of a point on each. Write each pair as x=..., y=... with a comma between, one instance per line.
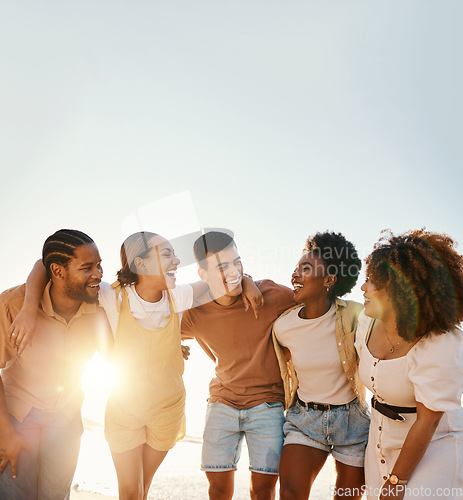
x=185, y=351
x=3, y=464
x=14, y=339
x=12, y=334
x=255, y=307
x=19, y=338
x=21, y=344
x=14, y=467
x=245, y=302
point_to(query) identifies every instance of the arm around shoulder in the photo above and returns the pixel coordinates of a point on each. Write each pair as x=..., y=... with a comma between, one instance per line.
x=22, y=328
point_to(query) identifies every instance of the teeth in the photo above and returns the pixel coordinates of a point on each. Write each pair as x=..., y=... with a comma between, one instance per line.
x=298, y=285
x=234, y=282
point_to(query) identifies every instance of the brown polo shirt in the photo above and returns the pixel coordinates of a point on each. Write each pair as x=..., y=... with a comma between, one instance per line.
x=47, y=375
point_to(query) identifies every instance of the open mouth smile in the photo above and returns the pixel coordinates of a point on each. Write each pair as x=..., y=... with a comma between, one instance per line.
x=171, y=273
x=234, y=282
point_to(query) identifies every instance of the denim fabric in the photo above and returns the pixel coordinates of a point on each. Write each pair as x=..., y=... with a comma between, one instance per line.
x=341, y=431
x=262, y=426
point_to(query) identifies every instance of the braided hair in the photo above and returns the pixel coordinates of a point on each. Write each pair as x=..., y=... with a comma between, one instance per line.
x=59, y=247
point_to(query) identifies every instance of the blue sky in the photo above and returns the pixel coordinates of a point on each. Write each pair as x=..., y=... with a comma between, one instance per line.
x=275, y=119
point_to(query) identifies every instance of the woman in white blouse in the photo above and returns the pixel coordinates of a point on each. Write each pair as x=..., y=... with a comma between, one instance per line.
x=411, y=359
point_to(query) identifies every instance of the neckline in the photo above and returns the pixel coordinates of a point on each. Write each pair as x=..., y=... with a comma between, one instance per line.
x=172, y=312
x=225, y=305
x=330, y=311
x=367, y=339
x=146, y=302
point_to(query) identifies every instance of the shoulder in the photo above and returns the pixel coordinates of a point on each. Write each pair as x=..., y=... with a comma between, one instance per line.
x=443, y=348
x=107, y=296
x=349, y=309
x=436, y=370
x=293, y=310
x=270, y=287
x=266, y=284
x=363, y=325
x=106, y=290
x=286, y=318
x=277, y=298
x=183, y=295
x=13, y=298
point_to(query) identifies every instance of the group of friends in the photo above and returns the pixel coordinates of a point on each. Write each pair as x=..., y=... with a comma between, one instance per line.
x=291, y=366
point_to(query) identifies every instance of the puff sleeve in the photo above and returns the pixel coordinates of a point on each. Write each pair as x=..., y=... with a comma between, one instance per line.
x=436, y=370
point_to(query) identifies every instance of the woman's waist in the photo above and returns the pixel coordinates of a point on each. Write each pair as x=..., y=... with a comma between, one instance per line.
x=141, y=400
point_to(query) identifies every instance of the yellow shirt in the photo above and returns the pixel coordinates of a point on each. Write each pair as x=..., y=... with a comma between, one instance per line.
x=47, y=375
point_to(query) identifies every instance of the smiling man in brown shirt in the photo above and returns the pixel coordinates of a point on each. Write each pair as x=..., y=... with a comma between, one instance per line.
x=40, y=389
x=246, y=395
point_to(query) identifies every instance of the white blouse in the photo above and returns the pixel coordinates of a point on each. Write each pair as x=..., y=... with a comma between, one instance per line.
x=432, y=374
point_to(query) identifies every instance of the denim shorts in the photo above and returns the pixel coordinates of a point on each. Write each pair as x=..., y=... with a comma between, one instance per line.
x=262, y=426
x=341, y=431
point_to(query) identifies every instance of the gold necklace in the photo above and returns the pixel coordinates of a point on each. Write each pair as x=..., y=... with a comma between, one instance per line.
x=393, y=346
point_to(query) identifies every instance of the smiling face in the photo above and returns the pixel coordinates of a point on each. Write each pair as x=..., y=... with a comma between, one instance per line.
x=223, y=272
x=377, y=302
x=310, y=280
x=82, y=274
x=160, y=262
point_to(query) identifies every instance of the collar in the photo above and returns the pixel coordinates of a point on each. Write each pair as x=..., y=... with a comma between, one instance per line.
x=340, y=303
x=47, y=305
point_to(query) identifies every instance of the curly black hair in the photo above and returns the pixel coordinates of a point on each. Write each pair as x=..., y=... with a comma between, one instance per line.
x=423, y=275
x=340, y=258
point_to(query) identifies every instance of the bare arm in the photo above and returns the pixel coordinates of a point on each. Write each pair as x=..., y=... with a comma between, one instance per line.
x=252, y=296
x=11, y=442
x=415, y=445
x=199, y=289
x=22, y=328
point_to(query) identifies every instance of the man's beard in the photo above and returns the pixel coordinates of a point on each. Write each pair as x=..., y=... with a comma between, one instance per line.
x=79, y=292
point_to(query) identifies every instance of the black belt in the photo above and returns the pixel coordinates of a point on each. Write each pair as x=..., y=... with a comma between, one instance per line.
x=317, y=406
x=392, y=412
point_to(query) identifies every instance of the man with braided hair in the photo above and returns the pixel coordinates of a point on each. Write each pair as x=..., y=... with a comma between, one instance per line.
x=40, y=387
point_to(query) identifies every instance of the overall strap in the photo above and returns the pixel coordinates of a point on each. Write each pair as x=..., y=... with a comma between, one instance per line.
x=172, y=303
x=117, y=289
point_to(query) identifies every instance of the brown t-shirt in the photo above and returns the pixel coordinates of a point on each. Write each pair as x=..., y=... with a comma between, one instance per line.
x=47, y=375
x=247, y=373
